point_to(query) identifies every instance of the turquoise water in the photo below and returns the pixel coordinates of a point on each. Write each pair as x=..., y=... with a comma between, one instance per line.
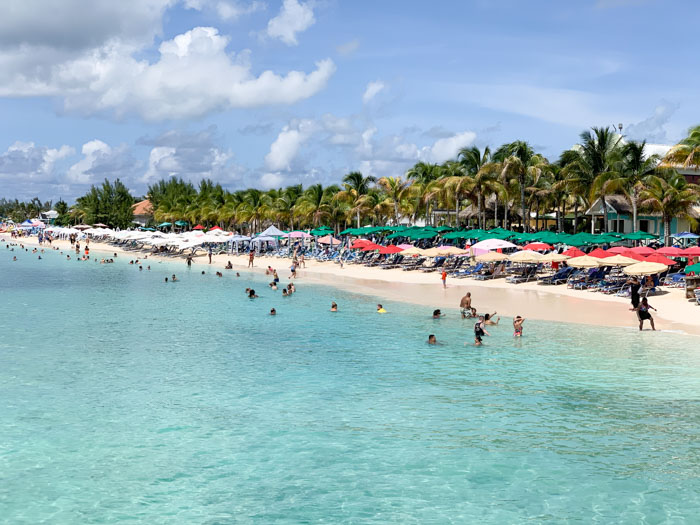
x=126, y=400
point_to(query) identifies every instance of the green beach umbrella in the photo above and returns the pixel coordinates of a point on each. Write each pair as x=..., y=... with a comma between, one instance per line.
x=638, y=236
x=181, y=223
x=164, y=225
x=693, y=269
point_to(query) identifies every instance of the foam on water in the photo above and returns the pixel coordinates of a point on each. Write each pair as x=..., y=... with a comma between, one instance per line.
x=127, y=400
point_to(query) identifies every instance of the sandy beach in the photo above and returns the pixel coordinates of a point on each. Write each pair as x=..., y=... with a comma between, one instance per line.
x=531, y=300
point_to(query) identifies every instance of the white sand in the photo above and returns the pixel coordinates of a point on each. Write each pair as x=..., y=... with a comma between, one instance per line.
x=531, y=300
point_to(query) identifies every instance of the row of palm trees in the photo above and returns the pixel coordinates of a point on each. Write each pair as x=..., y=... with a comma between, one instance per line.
x=498, y=187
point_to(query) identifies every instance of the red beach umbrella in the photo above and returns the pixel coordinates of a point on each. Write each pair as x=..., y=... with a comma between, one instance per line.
x=670, y=251
x=574, y=252
x=198, y=227
x=658, y=258
x=599, y=253
x=537, y=246
x=643, y=250
x=214, y=228
x=618, y=250
x=693, y=251
x=369, y=247
x=390, y=249
x=359, y=243
x=637, y=257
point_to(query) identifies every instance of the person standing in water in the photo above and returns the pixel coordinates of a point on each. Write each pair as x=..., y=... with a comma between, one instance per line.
x=518, y=326
x=643, y=314
x=466, y=306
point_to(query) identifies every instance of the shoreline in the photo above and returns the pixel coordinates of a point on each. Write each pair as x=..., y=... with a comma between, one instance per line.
x=533, y=301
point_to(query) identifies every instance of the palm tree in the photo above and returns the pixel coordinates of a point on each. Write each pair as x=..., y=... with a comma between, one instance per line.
x=457, y=185
x=600, y=151
x=355, y=187
x=671, y=195
x=424, y=175
x=686, y=153
x=313, y=205
x=520, y=162
x=396, y=190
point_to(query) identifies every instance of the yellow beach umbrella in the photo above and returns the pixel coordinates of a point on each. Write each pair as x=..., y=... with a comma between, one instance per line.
x=491, y=257
x=583, y=262
x=431, y=252
x=645, y=268
x=554, y=257
x=413, y=251
x=616, y=260
x=525, y=256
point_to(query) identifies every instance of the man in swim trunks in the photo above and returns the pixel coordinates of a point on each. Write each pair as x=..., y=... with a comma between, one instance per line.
x=466, y=306
x=479, y=331
x=518, y=326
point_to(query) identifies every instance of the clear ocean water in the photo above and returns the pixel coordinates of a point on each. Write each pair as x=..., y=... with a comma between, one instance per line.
x=127, y=400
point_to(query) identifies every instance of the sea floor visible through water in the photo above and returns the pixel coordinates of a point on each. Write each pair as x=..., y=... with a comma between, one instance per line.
x=124, y=399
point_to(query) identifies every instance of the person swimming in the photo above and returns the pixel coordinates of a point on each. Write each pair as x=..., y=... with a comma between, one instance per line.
x=252, y=294
x=488, y=319
x=273, y=311
x=173, y=278
x=273, y=285
x=334, y=306
x=432, y=340
x=380, y=309
x=437, y=314
x=479, y=331
x=518, y=326
x=284, y=292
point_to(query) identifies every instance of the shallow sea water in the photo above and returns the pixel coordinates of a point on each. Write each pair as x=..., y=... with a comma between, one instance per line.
x=127, y=400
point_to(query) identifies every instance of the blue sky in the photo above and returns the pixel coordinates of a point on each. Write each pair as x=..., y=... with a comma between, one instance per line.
x=267, y=93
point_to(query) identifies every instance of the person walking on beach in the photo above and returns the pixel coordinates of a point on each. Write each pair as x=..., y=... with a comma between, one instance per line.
x=293, y=269
x=479, y=331
x=466, y=305
x=444, y=279
x=518, y=326
x=251, y=257
x=302, y=262
x=643, y=314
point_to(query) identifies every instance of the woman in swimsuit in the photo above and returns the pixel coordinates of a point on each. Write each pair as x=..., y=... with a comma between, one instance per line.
x=518, y=326
x=643, y=314
x=479, y=331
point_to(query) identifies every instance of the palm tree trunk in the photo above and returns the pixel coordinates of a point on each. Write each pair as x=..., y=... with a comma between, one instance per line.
x=495, y=212
x=634, y=211
x=667, y=229
x=358, y=218
x=522, y=200
x=479, y=204
x=456, y=211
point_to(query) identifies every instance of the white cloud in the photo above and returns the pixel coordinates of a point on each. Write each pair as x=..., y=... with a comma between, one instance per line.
x=447, y=148
x=28, y=161
x=653, y=128
x=286, y=146
x=372, y=90
x=193, y=76
x=231, y=11
x=77, y=24
x=192, y=156
x=294, y=17
x=272, y=180
x=101, y=161
x=348, y=48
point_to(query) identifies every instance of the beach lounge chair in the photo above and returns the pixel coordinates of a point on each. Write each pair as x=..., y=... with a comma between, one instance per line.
x=559, y=277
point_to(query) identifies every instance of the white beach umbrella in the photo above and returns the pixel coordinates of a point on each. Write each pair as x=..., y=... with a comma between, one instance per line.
x=616, y=260
x=493, y=244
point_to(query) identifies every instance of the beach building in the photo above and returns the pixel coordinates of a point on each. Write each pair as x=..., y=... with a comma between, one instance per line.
x=143, y=212
x=619, y=214
x=48, y=217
